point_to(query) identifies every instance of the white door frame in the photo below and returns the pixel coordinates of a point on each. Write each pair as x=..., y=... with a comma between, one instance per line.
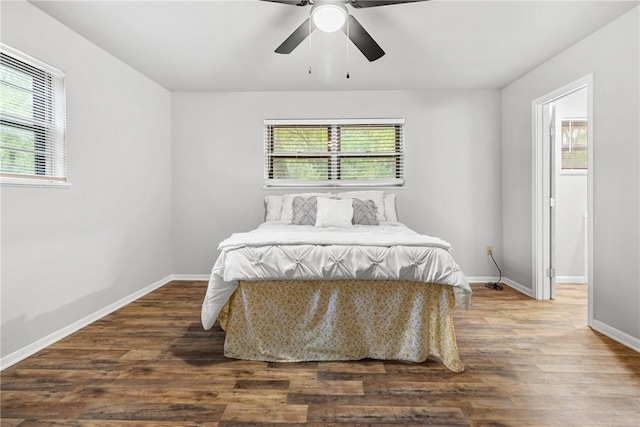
x=541, y=169
x=549, y=193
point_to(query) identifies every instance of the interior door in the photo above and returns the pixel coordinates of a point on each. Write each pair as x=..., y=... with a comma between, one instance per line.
x=552, y=201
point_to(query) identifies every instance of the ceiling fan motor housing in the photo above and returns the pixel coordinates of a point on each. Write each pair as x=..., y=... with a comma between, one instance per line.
x=329, y=16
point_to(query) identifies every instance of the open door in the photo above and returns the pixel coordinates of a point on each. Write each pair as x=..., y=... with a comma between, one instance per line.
x=548, y=199
x=551, y=140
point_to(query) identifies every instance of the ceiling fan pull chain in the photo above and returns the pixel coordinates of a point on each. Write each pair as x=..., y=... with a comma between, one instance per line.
x=348, y=47
x=310, y=29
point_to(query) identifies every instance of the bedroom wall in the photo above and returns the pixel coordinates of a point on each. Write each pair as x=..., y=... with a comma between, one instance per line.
x=452, y=165
x=68, y=253
x=612, y=55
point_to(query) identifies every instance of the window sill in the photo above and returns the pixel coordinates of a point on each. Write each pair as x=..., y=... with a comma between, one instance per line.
x=31, y=182
x=387, y=188
x=335, y=184
x=573, y=172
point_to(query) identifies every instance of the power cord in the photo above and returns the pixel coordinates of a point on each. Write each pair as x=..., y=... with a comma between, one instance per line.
x=495, y=285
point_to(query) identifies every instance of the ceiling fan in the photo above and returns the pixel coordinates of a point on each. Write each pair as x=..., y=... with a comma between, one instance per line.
x=332, y=15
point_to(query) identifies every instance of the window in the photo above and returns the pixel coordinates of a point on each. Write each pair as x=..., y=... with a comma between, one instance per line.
x=32, y=119
x=574, y=144
x=333, y=153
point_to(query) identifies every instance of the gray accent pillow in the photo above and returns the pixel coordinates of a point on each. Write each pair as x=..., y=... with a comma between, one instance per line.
x=304, y=210
x=365, y=212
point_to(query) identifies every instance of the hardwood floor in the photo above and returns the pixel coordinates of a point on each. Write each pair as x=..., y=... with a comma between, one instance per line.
x=527, y=363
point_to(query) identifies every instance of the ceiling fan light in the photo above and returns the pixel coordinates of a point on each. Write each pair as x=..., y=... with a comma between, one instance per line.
x=329, y=17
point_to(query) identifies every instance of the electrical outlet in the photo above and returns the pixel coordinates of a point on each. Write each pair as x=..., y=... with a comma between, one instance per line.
x=489, y=250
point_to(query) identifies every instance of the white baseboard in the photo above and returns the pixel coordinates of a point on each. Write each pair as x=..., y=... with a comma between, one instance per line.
x=616, y=335
x=570, y=279
x=518, y=287
x=24, y=352
x=481, y=279
x=486, y=279
x=191, y=277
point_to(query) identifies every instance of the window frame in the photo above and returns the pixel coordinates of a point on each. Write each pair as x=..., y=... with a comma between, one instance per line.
x=334, y=154
x=48, y=124
x=572, y=171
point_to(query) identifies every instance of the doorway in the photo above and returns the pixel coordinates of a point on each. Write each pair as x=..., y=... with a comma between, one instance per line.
x=563, y=189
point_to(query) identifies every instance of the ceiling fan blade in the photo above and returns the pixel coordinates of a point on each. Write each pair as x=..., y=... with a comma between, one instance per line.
x=363, y=41
x=291, y=2
x=301, y=33
x=360, y=4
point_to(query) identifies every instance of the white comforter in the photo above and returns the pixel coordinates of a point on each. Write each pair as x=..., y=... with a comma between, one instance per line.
x=277, y=250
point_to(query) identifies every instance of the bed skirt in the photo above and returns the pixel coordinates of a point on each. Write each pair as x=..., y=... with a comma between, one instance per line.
x=292, y=321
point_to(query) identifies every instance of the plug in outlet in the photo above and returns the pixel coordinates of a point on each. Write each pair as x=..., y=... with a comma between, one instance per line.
x=489, y=250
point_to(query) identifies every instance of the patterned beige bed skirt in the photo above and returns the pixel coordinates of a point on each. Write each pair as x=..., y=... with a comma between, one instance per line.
x=291, y=321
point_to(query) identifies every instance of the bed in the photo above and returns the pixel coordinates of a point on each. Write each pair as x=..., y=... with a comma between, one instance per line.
x=336, y=287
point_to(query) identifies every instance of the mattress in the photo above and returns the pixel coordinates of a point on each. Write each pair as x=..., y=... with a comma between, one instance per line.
x=280, y=251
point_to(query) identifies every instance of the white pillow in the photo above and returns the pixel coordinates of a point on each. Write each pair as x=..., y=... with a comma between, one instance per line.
x=390, y=211
x=376, y=196
x=273, y=205
x=334, y=213
x=287, y=204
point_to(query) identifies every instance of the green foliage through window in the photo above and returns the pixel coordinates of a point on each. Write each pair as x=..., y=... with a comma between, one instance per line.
x=574, y=144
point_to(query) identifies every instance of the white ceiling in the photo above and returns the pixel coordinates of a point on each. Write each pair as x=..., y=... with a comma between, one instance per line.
x=229, y=45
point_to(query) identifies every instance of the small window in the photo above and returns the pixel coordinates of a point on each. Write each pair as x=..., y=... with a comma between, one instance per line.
x=574, y=144
x=32, y=119
x=334, y=153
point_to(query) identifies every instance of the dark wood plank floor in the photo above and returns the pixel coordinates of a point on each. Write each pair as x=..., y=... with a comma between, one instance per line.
x=527, y=363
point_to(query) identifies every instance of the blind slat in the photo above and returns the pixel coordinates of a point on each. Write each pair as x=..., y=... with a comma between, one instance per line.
x=32, y=117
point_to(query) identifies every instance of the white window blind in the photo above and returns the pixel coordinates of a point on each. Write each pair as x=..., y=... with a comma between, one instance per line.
x=574, y=144
x=334, y=153
x=32, y=118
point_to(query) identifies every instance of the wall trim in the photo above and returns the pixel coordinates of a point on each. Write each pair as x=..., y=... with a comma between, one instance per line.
x=616, y=335
x=31, y=349
x=481, y=279
x=191, y=277
x=484, y=279
x=518, y=287
x=505, y=281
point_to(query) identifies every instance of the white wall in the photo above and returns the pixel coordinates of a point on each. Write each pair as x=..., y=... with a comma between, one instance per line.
x=452, y=165
x=67, y=253
x=612, y=55
x=571, y=198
